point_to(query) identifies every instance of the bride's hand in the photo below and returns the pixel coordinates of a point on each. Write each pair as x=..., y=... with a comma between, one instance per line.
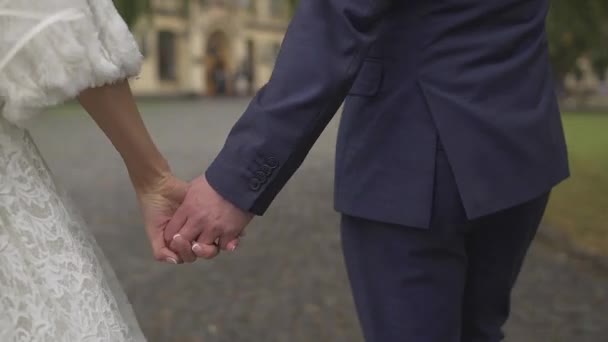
x=158, y=203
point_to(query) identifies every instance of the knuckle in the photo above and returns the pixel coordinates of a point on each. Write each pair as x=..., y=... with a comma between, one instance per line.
x=200, y=218
x=222, y=228
x=216, y=230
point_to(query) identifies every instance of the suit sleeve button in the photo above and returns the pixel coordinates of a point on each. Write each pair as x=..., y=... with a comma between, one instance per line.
x=263, y=178
x=272, y=162
x=255, y=184
x=266, y=170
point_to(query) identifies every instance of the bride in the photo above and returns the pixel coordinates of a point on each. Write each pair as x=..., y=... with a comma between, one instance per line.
x=54, y=283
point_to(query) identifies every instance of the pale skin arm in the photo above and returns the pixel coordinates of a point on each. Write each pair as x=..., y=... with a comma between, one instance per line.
x=115, y=112
x=159, y=193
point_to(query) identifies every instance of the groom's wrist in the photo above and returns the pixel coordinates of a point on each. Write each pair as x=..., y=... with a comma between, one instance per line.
x=226, y=181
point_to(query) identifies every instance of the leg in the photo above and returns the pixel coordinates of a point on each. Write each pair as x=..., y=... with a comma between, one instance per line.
x=407, y=282
x=496, y=246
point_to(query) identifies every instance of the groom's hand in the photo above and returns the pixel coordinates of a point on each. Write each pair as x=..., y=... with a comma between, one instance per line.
x=205, y=223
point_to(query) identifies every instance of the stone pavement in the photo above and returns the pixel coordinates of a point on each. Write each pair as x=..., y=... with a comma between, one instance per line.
x=287, y=281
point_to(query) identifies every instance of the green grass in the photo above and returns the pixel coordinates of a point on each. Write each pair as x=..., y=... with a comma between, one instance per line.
x=579, y=206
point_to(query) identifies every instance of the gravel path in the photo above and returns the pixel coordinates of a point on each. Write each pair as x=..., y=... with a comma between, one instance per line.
x=287, y=282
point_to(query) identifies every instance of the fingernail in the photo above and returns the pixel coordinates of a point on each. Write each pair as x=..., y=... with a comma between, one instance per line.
x=172, y=261
x=176, y=236
x=196, y=248
x=233, y=247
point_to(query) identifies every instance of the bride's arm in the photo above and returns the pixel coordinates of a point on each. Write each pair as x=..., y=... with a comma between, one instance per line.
x=158, y=191
x=55, y=50
x=115, y=112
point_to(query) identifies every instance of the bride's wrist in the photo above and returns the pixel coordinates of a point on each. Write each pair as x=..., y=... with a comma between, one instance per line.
x=151, y=177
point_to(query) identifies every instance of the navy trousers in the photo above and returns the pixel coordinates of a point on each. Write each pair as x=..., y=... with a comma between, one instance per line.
x=449, y=283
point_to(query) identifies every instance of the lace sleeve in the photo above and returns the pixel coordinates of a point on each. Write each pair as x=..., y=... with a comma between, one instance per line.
x=51, y=50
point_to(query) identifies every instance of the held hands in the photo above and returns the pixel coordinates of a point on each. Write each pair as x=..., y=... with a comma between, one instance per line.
x=204, y=224
x=189, y=221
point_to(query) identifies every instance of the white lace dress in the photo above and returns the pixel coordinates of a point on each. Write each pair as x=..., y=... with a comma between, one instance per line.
x=55, y=285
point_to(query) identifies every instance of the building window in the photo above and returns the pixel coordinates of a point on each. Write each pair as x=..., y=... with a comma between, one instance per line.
x=166, y=56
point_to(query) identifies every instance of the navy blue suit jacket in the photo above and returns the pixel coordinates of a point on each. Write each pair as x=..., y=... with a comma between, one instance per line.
x=469, y=76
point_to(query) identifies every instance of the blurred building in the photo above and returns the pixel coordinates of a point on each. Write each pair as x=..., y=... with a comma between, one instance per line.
x=209, y=47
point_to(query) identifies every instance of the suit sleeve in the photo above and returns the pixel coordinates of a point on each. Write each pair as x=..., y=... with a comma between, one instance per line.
x=322, y=52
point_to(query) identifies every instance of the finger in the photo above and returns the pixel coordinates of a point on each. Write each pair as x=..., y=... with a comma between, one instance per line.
x=192, y=229
x=228, y=242
x=175, y=224
x=205, y=251
x=160, y=250
x=206, y=246
x=231, y=245
x=183, y=249
x=209, y=236
x=171, y=257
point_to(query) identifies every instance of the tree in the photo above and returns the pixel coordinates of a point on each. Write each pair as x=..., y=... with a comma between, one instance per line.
x=578, y=29
x=599, y=51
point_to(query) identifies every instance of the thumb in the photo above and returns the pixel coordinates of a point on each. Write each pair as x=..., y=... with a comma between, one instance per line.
x=170, y=257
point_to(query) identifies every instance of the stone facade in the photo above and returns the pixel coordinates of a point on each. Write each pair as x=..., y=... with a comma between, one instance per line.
x=209, y=47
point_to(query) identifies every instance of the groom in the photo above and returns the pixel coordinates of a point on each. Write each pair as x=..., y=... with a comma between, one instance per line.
x=449, y=145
